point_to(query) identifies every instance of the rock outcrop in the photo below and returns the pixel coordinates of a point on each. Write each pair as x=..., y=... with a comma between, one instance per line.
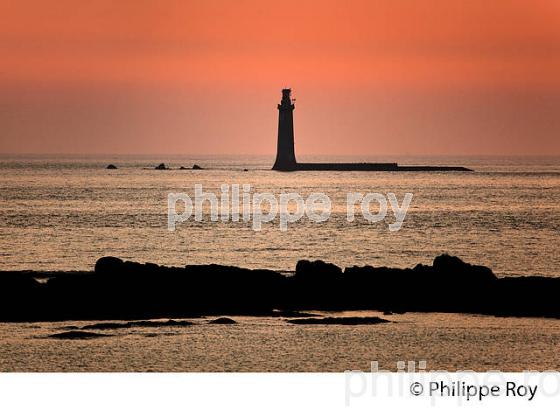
x=349, y=321
x=122, y=290
x=77, y=335
x=223, y=321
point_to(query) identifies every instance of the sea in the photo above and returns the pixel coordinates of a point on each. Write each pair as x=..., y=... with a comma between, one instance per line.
x=65, y=212
x=62, y=213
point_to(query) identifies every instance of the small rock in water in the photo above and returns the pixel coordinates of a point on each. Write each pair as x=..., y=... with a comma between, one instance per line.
x=223, y=321
x=161, y=166
x=339, y=321
x=106, y=326
x=137, y=323
x=77, y=335
x=195, y=166
x=111, y=166
x=170, y=322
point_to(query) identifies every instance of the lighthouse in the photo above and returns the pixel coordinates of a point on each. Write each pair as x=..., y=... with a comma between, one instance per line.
x=285, y=154
x=286, y=157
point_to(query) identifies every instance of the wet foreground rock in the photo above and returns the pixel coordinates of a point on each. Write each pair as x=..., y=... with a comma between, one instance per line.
x=223, y=321
x=121, y=290
x=139, y=323
x=339, y=321
x=77, y=335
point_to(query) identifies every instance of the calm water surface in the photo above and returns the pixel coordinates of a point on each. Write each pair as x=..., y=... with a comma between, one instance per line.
x=446, y=341
x=66, y=212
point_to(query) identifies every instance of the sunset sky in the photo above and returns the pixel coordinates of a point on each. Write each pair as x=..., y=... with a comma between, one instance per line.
x=204, y=77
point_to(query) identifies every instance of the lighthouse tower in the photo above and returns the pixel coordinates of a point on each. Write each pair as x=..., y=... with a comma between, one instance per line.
x=285, y=155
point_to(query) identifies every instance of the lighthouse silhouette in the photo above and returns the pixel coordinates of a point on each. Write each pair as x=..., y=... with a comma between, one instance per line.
x=285, y=153
x=286, y=157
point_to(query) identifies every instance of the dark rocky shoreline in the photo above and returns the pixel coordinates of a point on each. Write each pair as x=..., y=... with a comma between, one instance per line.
x=121, y=290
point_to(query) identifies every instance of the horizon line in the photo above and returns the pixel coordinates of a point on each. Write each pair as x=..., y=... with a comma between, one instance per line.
x=21, y=154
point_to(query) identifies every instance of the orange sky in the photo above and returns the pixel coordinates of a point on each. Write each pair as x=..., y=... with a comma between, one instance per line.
x=204, y=77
